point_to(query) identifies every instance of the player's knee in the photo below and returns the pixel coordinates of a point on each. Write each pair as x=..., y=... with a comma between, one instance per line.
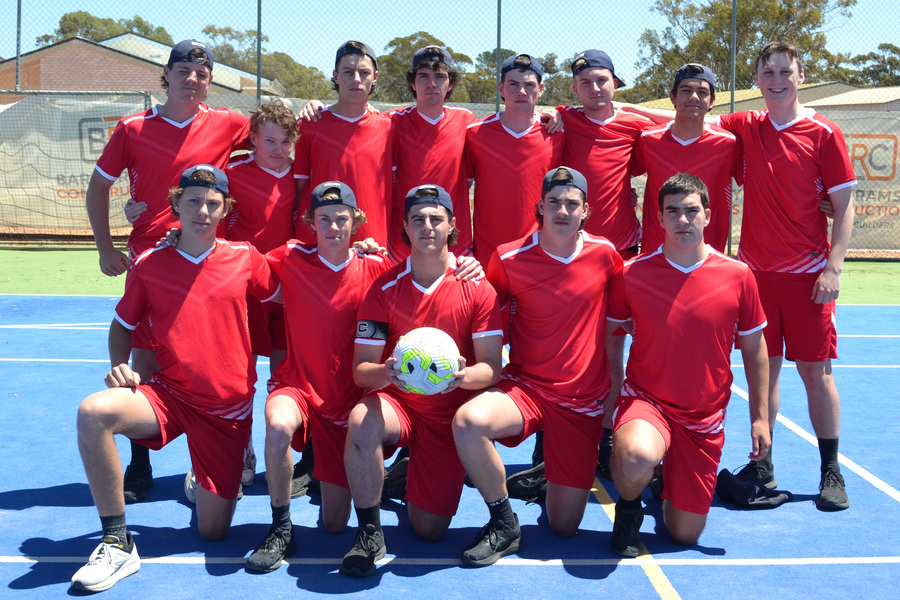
x=365, y=426
x=95, y=413
x=471, y=420
x=684, y=535
x=430, y=531
x=212, y=531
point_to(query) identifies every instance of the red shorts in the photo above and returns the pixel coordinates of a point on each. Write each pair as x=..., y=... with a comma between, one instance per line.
x=571, y=440
x=435, y=477
x=692, y=459
x=216, y=445
x=798, y=328
x=266, y=321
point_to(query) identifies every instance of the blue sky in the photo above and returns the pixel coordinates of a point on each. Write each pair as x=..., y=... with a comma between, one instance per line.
x=310, y=32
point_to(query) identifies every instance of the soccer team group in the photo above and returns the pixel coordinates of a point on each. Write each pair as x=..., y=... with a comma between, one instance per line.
x=324, y=259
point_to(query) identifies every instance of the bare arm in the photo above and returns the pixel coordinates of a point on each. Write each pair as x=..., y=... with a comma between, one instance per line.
x=486, y=371
x=756, y=367
x=121, y=374
x=368, y=370
x=112, y=262
x=828, y=285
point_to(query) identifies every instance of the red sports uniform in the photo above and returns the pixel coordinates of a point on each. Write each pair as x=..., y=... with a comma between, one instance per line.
x=395, y=305
x=508, y=169
x=714, y=157
x=357, y=152
x=427, y=151
x=602, y=152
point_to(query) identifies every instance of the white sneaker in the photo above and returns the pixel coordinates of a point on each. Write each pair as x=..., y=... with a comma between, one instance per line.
x=249, y=466
x=190, y=487
x=108, y=564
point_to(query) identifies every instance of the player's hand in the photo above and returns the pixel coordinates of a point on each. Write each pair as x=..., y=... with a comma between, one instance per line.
x=551, y=119
x=114, y=263
x=134, y=209
x=370, y=246
x=122, y=376
x=371, y=109
x=634, y=198
x=312, y=111
x=827, y=207
x=827, y=287
x=458, y=376
x=390, y=373
x=468, y=268
x=761, y=440
x=171, y=238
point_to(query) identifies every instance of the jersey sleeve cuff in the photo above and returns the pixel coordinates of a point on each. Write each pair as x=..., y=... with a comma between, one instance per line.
x=105, y=174
x=754, y=330
x=124, y=323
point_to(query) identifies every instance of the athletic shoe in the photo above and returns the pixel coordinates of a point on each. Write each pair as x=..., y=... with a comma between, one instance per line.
x=656, y=483
x=394, y=486
x=756, y=472
x=832, y=495
x=368, y=549
x=278, y=545
x=603, y=461
x=302, y=481
x=107, y=564
x=529, y=485
x=249, y=467
x=190, y=488
x=626, y=533
x=137, y=482
x=493, y=542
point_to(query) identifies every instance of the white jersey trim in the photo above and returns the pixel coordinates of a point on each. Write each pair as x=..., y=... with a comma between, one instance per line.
x=124, y=323
x=754, y=330
x=484, y=334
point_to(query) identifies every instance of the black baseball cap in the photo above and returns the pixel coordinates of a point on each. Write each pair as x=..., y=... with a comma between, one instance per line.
x=220, y=184
x=442, y=199
x=535, y=66
x=595, y=59
x=578, y=181
x=432, y=53
x=696, y=71
x=343, y=191
x=346, y=49
x=181, y=53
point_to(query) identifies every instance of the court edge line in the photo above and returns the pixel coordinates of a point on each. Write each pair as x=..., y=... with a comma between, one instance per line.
x=862, y=472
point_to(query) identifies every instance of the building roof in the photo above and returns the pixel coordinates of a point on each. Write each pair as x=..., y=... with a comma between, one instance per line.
x=881, y=99
x=751, y=99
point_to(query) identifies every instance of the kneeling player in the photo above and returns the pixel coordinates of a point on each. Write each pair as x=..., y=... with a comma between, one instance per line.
x=686, y=301
x=194, y=298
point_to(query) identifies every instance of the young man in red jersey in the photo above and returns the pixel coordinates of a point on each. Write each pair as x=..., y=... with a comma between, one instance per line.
x=419, y=292
x=557, y=380
x=155, y=147
x=194, y=298
x=679, y=376
x=689, y=145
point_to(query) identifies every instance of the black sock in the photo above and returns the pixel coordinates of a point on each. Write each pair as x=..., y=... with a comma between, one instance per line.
x=369, y=516
x=140, y=456
x=501, y=510
x=629, y=504
x=606, y=439
x=281, y=516
x=828, y=451
x=114, y=526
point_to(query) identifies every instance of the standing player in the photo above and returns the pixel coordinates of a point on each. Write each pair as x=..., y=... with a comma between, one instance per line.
x=349, y=144
x=155, y=147
x=679, y=369
x=195, y=300
x=416, y=293
x=557, y=379
x=507, y=155
x=795, y=159
x=689, y=145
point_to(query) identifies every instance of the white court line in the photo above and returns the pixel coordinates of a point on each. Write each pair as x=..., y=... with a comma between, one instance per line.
x=872, y=479
x=54, y=360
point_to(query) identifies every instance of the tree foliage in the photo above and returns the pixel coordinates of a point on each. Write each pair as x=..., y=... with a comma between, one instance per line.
x=83, y=24
x=397, y=60
x=880, y=69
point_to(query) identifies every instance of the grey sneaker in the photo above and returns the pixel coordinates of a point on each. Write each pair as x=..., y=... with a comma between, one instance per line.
x=832, y=495
x=757, y=473
x=278, y=545
x=368, y=549
x=107, y=564
x=493, y=542
x=529, y=485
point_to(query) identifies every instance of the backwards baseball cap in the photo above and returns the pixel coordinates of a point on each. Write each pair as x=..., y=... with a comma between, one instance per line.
x=594, y=59
x=349, y=47
x=181, y=53
x=696, y=71
x=534, y=66
x=578, y=181
x=432, y=53
x=343, y=192
x=220, y=184
x=442, y=198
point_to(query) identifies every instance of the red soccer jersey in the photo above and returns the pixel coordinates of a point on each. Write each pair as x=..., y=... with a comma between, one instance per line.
x=463, y=309
x=556, y=308
x=427, y=151
x=356, y=152
x=602, y=152
x=713, y=157
x=156, y=151
x=684, y=321
x=509, y=169
x=197, y=310
x=789, y=171
x=263, y=213
x=320, y=305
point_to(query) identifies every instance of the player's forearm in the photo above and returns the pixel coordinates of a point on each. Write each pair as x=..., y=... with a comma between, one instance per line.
x=120, y=340
x=481, y=375
x=97, y=205
x=756, y=367
x=371, y=376
x=841, y=231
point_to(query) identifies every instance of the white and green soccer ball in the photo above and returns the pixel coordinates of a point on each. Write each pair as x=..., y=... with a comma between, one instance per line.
x=426, y=358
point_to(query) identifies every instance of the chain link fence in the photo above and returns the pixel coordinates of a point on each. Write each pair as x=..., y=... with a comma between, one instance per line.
x=50, y=140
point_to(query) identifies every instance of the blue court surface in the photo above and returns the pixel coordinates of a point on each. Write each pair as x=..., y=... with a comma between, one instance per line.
x=53, y=354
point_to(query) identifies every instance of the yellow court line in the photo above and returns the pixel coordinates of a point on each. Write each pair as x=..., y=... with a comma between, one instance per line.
x=654, y=573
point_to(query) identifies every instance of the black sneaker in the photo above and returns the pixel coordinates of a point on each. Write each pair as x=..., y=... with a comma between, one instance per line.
x=605, y=455
x=395, y=479
x=302, y=481
x=529, y=485
x=493, y=542
x=626, y=533
x=137, y=482
x=832, y=495
x=757, y=473
x=278, y=545
x=656, y=483
x=368, y=549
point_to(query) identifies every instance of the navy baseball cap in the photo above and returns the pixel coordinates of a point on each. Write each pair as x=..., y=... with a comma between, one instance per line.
x=594, y=59
x=346, y=49
x=432, y=53
x=696, y=71
x=343, y=191
x=220, y=184
x=578, y=181
x=442, y=199
x=535, y=66
x=181, y=53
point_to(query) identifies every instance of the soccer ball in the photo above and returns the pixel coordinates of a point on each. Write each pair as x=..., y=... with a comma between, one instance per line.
x=426, y=358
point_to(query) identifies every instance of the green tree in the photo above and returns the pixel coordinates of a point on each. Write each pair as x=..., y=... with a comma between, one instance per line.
x=558, y=81
x=482, y=83
x=700, y=31
x=397, y=60
x=878, y=69
x=84, y=24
